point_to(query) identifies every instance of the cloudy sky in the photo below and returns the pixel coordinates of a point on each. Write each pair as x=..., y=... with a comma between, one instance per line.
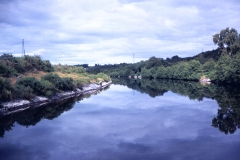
x=111, y=31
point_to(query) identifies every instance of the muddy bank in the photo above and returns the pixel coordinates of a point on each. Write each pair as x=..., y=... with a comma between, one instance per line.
x=7, y=108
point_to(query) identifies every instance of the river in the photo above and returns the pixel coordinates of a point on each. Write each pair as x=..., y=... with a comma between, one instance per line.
x=130, y=120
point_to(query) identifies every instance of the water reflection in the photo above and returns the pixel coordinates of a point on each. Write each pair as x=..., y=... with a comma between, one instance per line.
x=227, y=97
x=116, y=124
x=32, y=116
x=227, y=119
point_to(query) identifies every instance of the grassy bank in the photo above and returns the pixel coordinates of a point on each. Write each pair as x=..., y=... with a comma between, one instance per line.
x=30, y=76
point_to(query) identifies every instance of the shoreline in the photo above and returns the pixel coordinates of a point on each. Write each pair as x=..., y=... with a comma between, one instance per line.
x=21, y=105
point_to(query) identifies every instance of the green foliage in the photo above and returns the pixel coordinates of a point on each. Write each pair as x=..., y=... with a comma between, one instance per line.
x=69, y=69
x=28, y=87
x=235, y=68
x=188, y=68
x=69, y=83
x=105, y=77
x=36, y=63
x=48, y=88
x=145, y=72
x=209, y=66
x=6, y=90
x=153, y=62
x=228, y=68
x=59, y=83
x=32, y=83
x=13, y=66
x=191, y=70
x=228, y=40
x=79, y=84
x=23, y=92
x=6, y=71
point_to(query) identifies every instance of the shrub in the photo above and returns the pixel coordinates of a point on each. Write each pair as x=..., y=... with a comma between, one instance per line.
x=32, y=83
x=48, y=93
x=79, y=84
x=5, y=71
x=6, y=90
x=49, y=88
x=103, y=76
x=68, y=83
x=59, y=83
x=23, y=92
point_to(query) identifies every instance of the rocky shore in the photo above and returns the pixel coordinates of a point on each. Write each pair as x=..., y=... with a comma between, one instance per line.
x=7, y=108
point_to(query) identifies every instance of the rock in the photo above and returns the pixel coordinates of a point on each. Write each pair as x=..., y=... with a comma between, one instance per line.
x=15, y=103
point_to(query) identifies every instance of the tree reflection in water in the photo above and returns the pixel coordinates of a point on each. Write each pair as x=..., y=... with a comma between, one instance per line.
x=32, y=116
x=227, y=97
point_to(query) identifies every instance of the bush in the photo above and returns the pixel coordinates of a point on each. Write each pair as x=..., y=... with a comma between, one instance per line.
x=6, y=90
x=59, y=83
x=32, y=83
x=23, y=92
x=5, y=71
x=49, y=88
x=69, y=69
x=103, y=76
x=79, y=84
x=69, y=83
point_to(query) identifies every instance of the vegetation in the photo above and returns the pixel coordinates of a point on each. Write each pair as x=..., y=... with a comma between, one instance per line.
x=28, y=76
x=14, y=66
x=228, y=41
x=221, y=65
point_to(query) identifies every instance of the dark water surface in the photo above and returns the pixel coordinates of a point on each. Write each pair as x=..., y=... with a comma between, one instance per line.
x=135, y=120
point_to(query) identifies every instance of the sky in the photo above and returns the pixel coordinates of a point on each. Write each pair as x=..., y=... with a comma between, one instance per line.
x=113, y=31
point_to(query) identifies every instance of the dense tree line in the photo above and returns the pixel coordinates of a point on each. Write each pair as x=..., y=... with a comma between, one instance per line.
x=222, y=64
x=175, y=67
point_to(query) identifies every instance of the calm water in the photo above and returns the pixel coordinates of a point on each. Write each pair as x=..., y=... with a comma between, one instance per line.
x=134, y=120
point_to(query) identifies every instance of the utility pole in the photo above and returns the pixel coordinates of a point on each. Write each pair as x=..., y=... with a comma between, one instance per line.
x=23, y=49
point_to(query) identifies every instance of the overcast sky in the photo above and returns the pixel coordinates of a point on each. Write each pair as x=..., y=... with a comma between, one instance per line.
x=110, y=31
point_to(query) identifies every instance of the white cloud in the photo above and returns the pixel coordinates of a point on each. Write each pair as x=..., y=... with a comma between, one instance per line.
x=110, y=31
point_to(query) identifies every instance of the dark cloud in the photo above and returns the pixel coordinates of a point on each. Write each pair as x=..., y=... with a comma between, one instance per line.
x=24, y=13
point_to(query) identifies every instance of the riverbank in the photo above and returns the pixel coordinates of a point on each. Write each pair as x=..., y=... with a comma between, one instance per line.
x=7, y=108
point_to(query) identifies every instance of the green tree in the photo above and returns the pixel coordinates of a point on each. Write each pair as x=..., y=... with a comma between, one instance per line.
x=228, y=40
x=223, y=69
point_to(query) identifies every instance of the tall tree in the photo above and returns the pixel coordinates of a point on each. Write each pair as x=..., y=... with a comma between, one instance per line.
x=228, y=40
